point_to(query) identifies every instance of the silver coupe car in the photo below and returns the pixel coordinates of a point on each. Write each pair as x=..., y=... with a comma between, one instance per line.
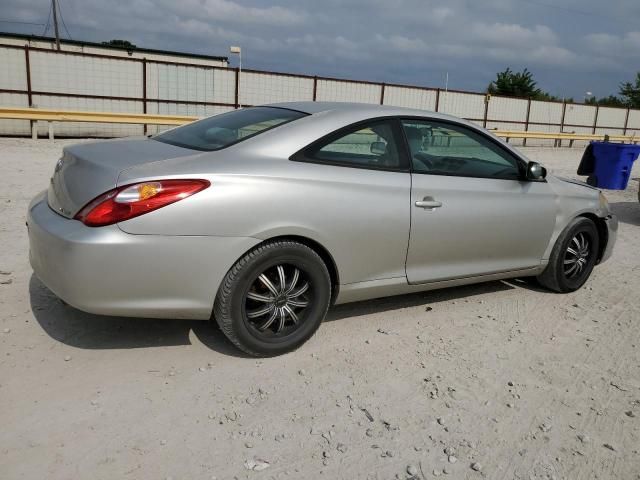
x=264, y=217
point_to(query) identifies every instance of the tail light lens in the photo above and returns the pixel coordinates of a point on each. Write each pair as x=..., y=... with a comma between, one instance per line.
x=131, y=201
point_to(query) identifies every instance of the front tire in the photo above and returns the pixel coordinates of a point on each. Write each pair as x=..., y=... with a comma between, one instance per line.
x=274, y=298
x=573, y=257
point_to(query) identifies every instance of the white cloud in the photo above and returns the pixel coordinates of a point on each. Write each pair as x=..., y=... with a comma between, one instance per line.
x=440, y=14
x=234, y=12
x=400, y=43
x=497, y=42
x=554, y=55
x=606, y=44
x=160, y=14
x=513, y=35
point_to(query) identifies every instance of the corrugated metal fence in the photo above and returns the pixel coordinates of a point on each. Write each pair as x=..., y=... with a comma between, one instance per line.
x=82, y=81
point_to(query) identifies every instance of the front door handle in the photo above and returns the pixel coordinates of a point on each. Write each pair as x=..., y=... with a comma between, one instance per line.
x=428, y=203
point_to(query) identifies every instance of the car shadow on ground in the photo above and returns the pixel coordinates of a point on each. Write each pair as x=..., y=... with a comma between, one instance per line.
x=627, y=212
x=88, y=331
x=427, y=299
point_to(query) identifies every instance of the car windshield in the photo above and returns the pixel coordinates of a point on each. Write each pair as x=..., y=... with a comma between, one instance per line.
x=220, y=131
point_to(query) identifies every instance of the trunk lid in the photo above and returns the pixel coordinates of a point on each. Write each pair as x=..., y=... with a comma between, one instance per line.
x=87, y=170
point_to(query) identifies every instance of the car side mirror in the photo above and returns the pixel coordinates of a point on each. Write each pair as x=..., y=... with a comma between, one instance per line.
x=536, y=172
x=378, y=148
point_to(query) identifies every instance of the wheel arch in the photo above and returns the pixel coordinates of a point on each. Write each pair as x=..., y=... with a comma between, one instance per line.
x=603, y=232
x=322, y=252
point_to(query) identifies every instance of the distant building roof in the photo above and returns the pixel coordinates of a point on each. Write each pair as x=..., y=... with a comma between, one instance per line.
x=80, y=43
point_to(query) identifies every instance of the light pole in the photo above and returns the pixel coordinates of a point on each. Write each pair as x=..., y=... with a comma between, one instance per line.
x=55, y=23
x=238, y=51
x=587, y=96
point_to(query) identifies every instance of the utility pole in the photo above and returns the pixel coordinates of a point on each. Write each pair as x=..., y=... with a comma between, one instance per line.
x=55, y=23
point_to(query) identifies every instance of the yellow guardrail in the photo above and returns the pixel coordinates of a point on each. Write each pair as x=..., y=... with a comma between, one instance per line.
x=564, y=136
x=47, y=115
x=101, y=117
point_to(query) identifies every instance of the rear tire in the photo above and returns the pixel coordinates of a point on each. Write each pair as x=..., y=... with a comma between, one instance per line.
x=573, y=257
x=274, y=298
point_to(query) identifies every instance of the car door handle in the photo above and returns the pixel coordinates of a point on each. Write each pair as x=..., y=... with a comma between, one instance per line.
x=428, y=203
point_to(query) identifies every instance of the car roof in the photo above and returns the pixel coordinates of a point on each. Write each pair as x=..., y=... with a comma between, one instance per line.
x=366, y=110
x=318, y=107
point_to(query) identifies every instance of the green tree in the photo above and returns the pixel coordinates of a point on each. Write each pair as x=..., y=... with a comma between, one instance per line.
x=630, y=92
x=610, y=101
x=120, y=44
x=520, y=84
x=514, y=84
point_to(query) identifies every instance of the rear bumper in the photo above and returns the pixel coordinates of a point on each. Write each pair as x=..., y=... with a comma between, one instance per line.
x=612, y=234
x=107, y=271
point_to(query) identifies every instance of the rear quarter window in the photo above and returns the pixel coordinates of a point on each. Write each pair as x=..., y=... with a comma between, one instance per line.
x=220, y=131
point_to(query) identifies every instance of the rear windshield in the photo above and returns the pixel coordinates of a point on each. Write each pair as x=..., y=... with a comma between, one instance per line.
x=220, y=131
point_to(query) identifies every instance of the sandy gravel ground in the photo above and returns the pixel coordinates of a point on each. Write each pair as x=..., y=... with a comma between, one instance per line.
x=517, y=382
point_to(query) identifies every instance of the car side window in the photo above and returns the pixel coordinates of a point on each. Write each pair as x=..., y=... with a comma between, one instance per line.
x=373, y=145
x=439, y=148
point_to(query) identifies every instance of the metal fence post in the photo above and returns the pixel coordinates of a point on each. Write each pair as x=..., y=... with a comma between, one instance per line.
x=437, y=99
x=526, y=121
x=315, y=88
x=595, y=119
x=558, y=143
x=33, y=125
x=237, y=100
x=487, y=98
x=382, y=94
x=626, y=122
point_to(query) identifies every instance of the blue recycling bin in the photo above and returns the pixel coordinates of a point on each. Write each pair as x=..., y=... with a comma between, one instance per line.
x=608, y=165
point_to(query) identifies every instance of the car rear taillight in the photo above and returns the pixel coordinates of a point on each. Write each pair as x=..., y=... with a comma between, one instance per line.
x=134, y=200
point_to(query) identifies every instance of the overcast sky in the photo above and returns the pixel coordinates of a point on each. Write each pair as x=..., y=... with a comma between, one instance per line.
x=571, y=46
